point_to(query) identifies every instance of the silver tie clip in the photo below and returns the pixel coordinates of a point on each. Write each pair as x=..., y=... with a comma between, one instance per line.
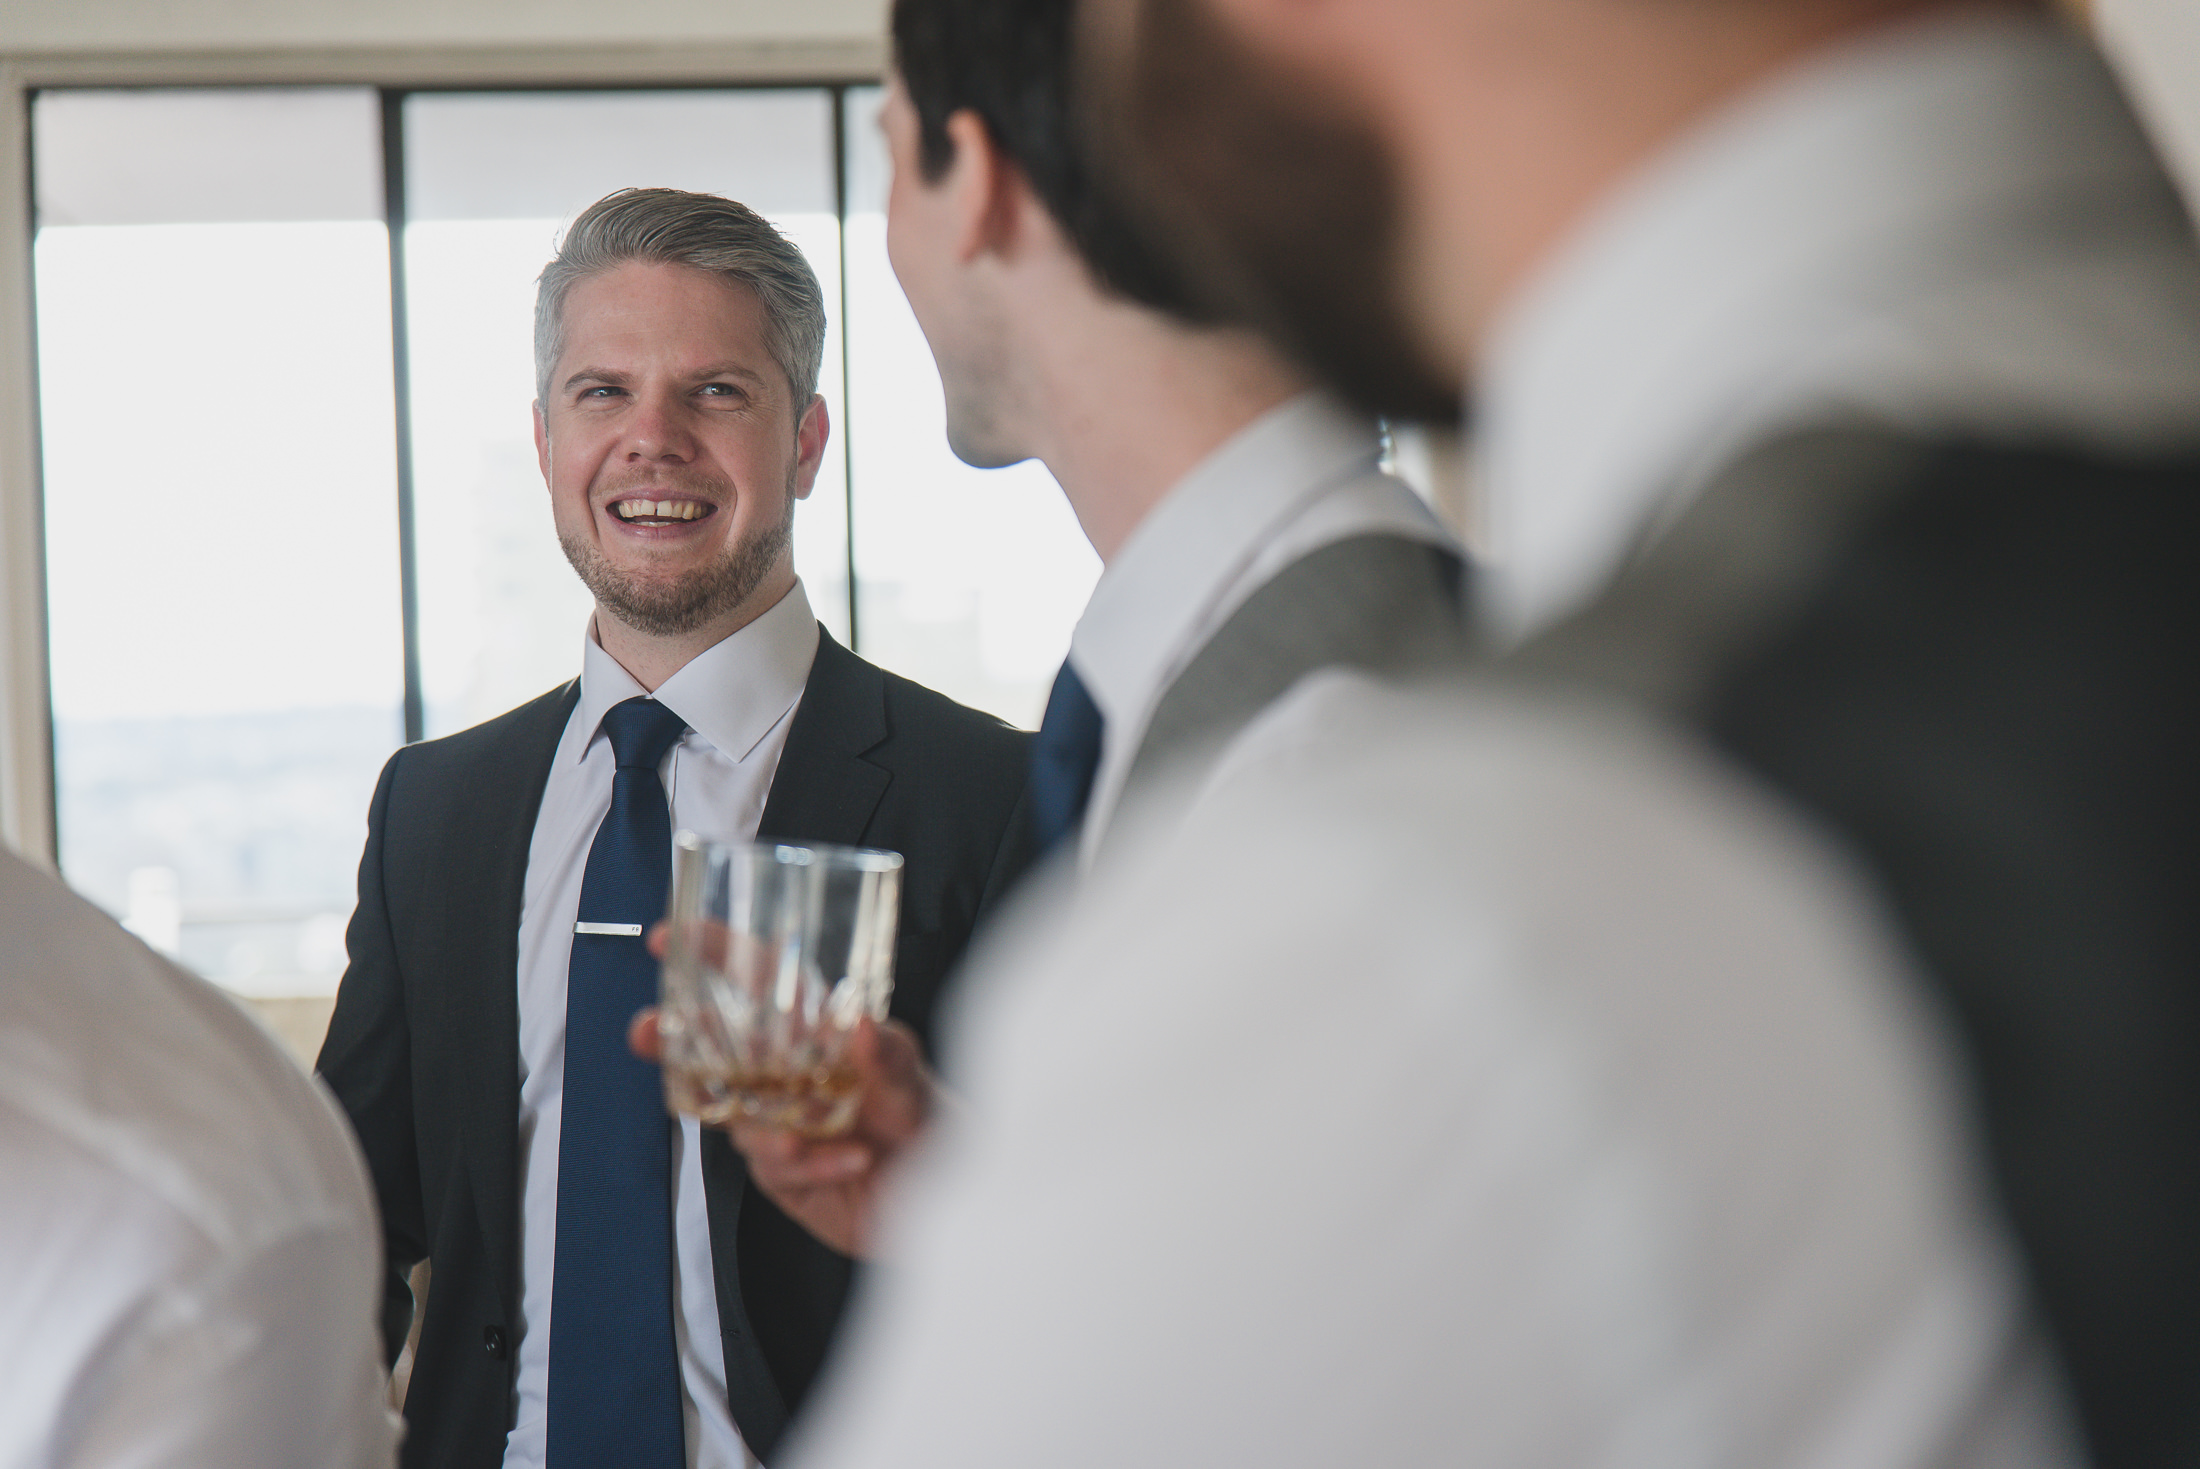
x=611, y=930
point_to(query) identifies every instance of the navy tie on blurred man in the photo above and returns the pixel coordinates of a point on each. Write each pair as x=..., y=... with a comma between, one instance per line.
x=607, y=1285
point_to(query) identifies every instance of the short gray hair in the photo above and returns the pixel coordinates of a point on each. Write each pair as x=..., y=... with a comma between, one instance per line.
x=674, y=227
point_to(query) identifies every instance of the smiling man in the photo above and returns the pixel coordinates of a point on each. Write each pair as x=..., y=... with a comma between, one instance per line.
x=608, y=1288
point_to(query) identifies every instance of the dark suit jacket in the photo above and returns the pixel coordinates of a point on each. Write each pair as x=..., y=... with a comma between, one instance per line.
x=423, y=1050
x=1979, y=668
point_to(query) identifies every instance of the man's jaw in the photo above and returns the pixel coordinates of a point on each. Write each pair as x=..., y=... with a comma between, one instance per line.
x=673, y=590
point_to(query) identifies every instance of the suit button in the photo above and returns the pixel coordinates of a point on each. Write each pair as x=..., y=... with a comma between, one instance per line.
x=492, y=1341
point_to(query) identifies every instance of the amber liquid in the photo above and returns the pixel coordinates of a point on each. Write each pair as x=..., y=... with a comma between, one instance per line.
x=818, y=1102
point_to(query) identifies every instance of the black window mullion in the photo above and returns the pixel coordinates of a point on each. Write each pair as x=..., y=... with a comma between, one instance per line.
x=408, y=563
x=49, y=827
x=847, y=381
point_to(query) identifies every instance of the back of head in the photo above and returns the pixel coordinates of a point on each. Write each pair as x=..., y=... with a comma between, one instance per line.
x=1009, y=62
x=707, y=233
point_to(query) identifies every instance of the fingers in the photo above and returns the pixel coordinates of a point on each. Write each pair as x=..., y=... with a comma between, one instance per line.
x=897, y=1054
x=641, y=1035
x=897, y=1089
x=786, y=1160
x=895, y=1096
x=831, y=1185
x=712, y=941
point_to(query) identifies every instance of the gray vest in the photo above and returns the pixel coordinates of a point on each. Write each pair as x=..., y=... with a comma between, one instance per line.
x=1737, y=565
x=1383, y=603
x=1978, y=669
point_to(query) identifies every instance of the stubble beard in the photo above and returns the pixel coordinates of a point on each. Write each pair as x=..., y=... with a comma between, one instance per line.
x=675, y=608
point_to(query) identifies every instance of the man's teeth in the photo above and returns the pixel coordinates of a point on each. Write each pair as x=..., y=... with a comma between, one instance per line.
x=658, y=509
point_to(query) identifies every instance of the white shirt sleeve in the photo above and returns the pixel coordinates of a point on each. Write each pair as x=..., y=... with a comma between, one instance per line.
x=218, y=1374
x=132, y=1336
x=1457, y=1086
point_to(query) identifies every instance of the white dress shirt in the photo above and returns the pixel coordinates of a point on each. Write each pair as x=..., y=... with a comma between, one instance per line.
x=1464, y=1079
x=1302, y=476
x=190, y=1263
x=738, y=700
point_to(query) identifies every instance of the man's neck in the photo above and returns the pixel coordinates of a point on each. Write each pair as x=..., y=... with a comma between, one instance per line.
x=1126, y=403
x=652, y=658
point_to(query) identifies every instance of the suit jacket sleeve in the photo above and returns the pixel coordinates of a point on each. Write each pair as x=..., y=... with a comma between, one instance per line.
x=367, y=1062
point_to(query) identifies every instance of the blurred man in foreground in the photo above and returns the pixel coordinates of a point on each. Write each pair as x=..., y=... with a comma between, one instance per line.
x=1837, y=372
x=187, y=1240
x=1505, y=1076
x=1248, y=533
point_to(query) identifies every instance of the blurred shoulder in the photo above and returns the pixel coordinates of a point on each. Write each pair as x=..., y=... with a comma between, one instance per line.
x=1527, y=971
x=154, y=1082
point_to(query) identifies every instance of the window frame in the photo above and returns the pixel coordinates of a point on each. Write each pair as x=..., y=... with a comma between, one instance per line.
x=27, y=793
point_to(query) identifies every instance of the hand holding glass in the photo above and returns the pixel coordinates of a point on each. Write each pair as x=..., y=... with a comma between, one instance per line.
x=774, y=955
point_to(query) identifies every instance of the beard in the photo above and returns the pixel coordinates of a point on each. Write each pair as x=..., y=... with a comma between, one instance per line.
x=1275, y=206
x=675, y=607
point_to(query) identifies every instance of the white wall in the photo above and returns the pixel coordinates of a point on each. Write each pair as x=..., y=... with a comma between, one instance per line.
x=32, y=27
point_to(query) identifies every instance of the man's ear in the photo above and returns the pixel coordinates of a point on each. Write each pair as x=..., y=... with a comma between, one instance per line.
x=810, y=435
x=542, y=443
x=984, y=187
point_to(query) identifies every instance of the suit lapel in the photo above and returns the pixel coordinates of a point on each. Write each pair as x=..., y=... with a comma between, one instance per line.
x=485, y=856
x=825, y=791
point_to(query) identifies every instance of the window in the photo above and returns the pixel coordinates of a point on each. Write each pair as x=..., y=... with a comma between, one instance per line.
x=489, y=180
x=263, y=575
x=968, y=580
x=222, y=560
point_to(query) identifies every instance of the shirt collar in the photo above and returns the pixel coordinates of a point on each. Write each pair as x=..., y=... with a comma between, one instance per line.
x=731, y=694
x=1190, y=547
x=1898, y=231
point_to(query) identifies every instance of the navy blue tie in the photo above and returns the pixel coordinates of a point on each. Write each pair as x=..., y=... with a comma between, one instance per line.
x=614, y=1395
x=1064, y=755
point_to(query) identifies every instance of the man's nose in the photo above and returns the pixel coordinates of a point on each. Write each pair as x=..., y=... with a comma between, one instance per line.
x=658, y=430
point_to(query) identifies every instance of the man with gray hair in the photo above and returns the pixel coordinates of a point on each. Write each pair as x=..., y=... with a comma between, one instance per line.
x=608, y=1287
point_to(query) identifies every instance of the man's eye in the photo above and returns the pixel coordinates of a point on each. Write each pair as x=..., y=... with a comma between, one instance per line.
x=602, y=390
x=720, y=390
